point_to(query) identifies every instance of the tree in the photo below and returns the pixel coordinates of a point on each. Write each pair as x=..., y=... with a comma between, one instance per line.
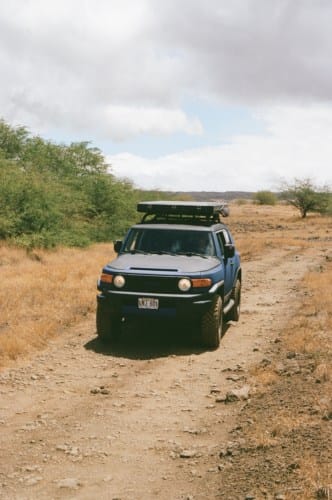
x=305, y=196
x=12, y=140
x=54, y=194
x=77, y=159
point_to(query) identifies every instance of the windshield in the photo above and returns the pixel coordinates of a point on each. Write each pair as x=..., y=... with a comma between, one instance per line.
x=172, y=241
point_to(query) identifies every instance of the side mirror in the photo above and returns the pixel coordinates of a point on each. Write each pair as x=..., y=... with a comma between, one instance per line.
x=229, y=251
x=117, y=246
x=225, y=211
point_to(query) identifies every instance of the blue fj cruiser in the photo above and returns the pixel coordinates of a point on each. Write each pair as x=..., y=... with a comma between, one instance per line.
x=179, y=262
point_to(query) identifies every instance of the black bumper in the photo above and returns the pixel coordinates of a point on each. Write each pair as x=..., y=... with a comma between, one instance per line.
x=170, y=306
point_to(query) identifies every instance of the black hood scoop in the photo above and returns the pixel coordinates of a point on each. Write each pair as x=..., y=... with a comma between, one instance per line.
x=162, y=269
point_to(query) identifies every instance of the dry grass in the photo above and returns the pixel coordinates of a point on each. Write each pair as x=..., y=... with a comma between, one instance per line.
x=314, y=479
x=279, y=426
x=310, y=329
x=264, y=377
x=307, y=403
x=45, y=291
x=259, y=229
x=308, y=333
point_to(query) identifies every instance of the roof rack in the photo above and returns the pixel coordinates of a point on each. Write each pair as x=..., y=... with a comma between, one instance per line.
x=176, y=211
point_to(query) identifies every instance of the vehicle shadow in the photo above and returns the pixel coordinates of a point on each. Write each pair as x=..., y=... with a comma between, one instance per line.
x=143, y=341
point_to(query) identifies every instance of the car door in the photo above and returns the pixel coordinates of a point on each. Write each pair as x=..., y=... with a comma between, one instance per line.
x=224, y=239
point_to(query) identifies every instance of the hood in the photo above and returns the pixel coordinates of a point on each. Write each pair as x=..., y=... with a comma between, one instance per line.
x=163, y=263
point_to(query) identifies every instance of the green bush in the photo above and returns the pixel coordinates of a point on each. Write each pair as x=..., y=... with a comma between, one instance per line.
x=265, y=198
x=54, y=194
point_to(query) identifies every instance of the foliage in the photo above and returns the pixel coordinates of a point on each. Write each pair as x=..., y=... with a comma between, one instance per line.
x=56, y=194
x=53, y=194
x=325, y=202
x=307, y=197
x=265, y=198
x=12, y=140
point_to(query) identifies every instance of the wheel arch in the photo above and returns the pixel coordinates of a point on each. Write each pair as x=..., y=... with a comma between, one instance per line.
x=238, y=275
x=220, y=290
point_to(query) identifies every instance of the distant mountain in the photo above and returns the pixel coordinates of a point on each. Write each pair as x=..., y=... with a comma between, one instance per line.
x=215, y=195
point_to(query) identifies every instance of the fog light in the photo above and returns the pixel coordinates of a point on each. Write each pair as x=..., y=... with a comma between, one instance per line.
x=119, y=281
x=184, y=285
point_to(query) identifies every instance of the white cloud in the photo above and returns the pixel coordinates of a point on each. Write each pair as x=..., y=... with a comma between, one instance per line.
x=125, y=121
x=63, y=63
x=252, y=50
x=297, y=145
x=114, y=71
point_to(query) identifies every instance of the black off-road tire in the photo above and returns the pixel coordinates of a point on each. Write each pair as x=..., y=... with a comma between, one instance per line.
x=234, y=313
x=212, y=324
x=108, y=324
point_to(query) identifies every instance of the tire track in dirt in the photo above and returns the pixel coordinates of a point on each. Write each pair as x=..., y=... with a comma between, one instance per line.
x=140, y=420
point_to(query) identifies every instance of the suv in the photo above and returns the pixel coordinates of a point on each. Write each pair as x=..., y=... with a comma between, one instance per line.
x=179, y=262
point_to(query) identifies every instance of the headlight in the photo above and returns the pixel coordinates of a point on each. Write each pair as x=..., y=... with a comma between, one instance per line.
x=184, y=284
x=119, y=281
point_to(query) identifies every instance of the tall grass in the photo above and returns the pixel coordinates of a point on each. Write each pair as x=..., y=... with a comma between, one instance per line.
x=311, y=328
x=44, y=292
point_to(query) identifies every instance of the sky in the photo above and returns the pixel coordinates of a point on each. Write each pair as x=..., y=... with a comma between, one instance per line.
x=182, y=95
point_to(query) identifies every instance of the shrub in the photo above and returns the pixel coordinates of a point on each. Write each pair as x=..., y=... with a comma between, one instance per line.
x=53, y=194
x=265, y=198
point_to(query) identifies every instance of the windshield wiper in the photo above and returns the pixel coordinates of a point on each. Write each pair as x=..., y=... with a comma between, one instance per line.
x=150, y=252
x=163, y=252
x=193, y=254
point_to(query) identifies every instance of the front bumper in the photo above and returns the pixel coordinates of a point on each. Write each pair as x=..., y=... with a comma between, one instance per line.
x=177, y=306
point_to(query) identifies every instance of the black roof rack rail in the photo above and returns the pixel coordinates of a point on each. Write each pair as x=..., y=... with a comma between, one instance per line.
x=184, y=211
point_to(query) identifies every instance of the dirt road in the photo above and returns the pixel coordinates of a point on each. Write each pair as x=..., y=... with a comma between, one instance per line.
x=145, y=420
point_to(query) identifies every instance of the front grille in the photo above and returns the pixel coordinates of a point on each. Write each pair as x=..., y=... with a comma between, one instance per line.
x=151, y=284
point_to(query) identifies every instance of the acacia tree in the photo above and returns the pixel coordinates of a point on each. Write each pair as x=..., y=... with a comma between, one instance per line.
x=305, y=196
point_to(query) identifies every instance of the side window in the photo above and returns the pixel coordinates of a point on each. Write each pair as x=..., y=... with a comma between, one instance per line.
x=132, y=241
x=224, y=239
x=221, y=241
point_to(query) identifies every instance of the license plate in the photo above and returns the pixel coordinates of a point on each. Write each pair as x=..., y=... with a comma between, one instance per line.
x=148, y=303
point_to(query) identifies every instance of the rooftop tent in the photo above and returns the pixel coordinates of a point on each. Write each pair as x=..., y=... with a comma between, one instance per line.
x=208, y=209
